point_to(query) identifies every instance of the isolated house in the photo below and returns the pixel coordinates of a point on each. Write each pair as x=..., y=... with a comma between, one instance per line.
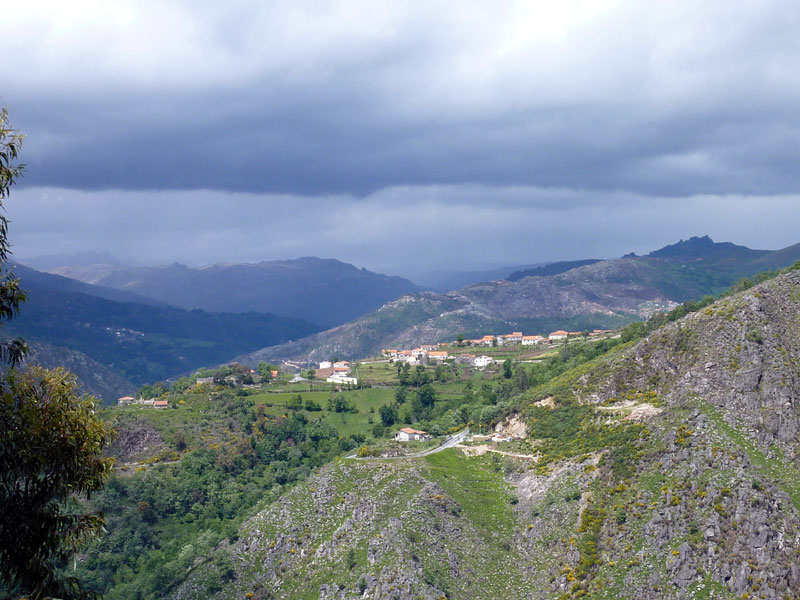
x=161, y=404
x=125, y=400
x=406, y=434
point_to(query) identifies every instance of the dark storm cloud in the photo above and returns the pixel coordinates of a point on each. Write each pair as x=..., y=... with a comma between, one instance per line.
x=313, y=98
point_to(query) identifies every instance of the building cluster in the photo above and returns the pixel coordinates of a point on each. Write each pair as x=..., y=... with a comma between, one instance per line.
x=437, y=353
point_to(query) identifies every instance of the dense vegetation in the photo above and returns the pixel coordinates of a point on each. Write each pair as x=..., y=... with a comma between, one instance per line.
x=147, y=343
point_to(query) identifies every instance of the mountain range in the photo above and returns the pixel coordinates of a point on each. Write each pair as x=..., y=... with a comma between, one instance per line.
x=132, y=328
x=569, y=295
x=327, y=292
x=137, y=339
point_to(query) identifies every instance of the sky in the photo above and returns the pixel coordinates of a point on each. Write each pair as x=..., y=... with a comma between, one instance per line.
x=401, y=136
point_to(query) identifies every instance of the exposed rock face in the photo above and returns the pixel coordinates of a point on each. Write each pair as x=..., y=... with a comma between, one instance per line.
x=740, y=355
x=135, y=440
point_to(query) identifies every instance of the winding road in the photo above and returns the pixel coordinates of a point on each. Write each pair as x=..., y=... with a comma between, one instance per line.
x=452, y=441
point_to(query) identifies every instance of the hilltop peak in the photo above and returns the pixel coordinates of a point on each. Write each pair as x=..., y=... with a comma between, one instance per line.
x=702, y=248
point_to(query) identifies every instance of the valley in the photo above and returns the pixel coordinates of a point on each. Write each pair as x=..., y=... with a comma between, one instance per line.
x=661, y=463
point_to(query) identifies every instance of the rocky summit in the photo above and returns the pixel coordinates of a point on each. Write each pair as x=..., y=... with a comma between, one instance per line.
x=668, y=468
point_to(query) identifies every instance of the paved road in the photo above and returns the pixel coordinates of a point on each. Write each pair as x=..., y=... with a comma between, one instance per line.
x=454, y=440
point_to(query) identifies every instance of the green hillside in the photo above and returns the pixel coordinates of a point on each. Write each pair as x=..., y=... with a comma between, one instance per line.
x=656, y=465
x=144, y=343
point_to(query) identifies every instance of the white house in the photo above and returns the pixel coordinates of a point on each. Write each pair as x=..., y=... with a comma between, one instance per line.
x=342, y=380
x=341, y=367
x=406, y=434
x=558, y=335
x=530, y=340
x=481, y=361
x=513, y=338
x=438, y=355
x=419, y=353
x=325, y=364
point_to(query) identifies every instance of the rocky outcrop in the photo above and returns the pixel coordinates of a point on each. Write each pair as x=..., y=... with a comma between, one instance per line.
x=93, y=378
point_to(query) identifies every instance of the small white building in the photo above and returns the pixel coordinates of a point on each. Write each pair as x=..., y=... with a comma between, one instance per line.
x=419, y=353
x=342, y=380
x=406, y=434
x=325, y=364
x=481, y=361
x=558, y=335
x=437, y=355
x=531, y=340
x=126, y=401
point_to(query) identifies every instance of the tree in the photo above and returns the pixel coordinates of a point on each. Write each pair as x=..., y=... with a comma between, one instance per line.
x=50, y=449
x=507, y=372
x=295, y=403
x=11, y=296
x=51, y=445
x=400, y=395
x=427, y=395
x=388, y=415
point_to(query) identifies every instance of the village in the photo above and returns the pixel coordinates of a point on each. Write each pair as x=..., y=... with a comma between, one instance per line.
x=340, y=372
x=438, y=353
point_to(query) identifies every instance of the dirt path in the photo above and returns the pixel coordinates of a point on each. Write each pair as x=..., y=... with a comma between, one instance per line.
x=484, y=448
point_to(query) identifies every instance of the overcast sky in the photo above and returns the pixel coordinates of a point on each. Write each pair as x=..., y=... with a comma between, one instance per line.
x=401, y=136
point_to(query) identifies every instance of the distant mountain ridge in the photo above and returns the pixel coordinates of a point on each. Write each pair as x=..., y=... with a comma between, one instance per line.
x=34, y=280
x=705, y=249
x=446, y=280
x=598, y=295
x=324, y=291
x=140, y=343
x=551, y=268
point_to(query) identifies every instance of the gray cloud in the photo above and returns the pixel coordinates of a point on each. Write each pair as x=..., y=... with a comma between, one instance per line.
x=317, y=99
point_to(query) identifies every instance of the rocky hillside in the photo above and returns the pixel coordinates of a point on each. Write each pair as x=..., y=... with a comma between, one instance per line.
x=665, y=469
x=93, y=378
x=599, y=294
x=323, y=291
